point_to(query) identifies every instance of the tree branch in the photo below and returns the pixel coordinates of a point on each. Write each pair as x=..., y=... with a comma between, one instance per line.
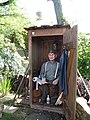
x=6, y=3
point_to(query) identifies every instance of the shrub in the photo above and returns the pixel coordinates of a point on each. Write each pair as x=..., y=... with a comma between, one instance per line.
x=5, y=86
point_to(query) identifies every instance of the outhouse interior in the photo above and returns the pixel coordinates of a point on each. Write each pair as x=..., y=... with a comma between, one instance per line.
x=40, y=41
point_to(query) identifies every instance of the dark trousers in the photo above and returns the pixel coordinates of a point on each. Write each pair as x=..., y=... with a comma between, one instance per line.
x=53, y=95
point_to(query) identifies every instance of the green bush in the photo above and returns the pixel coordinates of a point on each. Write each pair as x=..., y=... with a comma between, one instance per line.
x=84, y=55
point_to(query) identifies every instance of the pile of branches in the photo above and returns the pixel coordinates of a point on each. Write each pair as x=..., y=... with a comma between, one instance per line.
x=83, y=88
x=20, y=82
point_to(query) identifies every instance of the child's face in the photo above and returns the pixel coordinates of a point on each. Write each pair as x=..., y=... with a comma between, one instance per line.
x=52, y=56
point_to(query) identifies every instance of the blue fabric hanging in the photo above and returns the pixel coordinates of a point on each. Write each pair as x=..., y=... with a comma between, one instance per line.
x=63, y=71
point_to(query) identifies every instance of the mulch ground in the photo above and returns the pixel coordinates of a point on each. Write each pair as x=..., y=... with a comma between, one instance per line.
x=32, y=114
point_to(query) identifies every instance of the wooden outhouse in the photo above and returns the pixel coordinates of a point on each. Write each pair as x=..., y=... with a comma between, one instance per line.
x=40, y=41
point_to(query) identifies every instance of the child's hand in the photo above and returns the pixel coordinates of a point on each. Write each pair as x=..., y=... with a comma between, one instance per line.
x=55, y=82
x=43, y=82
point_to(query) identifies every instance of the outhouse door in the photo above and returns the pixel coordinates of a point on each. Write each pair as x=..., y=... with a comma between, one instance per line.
x=70, y=42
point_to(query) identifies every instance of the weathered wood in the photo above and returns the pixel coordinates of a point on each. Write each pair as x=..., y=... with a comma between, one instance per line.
x=48, y=27
x=57, y=109
x=47, y=32
x=70, y=63
x=70, y=100
x=30, y=64
x=41, y=41
x=70, y=38
x=22, y=82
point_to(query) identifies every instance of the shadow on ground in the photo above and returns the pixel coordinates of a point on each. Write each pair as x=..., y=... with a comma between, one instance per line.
x=32, y=114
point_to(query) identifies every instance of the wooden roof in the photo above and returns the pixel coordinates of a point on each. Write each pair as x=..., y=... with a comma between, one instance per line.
x=47, y=27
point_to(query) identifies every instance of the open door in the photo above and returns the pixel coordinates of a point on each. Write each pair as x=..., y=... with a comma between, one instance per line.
x=70, y=42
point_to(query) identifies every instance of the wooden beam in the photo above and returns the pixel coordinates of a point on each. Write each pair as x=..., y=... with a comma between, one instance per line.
x=70, y=63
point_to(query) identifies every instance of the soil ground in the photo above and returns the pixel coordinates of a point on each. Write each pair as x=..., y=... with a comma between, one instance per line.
x=32, y=114
x=24, y=112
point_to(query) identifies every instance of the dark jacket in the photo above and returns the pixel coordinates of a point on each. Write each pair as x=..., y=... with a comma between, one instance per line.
x=63, y=71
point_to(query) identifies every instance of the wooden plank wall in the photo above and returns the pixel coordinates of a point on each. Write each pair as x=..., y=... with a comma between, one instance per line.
x=70, y=41
x=40, y=43
x=40, y=48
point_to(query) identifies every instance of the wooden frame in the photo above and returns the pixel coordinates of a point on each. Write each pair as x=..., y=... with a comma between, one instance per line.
x=40, y=40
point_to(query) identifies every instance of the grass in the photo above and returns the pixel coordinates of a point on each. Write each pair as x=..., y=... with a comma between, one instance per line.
x=11, y=116
x=8, y=116
x=20, y=114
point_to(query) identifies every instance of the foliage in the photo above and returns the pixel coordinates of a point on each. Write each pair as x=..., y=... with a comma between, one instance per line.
x=13, y=23
x=84, y=54
x=13, y=42
x=10, y=61
x=5, y=86
x=13, y=38
x=3, y=3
